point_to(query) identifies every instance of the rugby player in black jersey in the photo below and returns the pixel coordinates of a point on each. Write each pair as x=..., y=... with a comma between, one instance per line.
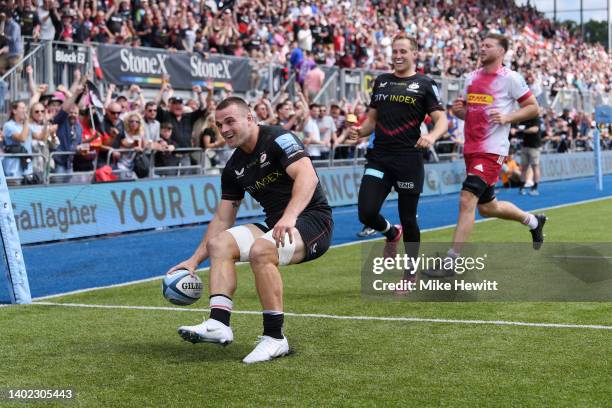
x=400, y=101
x=269, y=163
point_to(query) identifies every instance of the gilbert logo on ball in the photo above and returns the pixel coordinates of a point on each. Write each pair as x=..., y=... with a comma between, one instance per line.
x=180, y=288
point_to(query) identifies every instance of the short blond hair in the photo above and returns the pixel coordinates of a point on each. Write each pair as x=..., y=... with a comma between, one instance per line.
x=403, y=36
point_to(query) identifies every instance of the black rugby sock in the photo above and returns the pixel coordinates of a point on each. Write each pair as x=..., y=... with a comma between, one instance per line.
x=273, y=324
x=221, y=308
x=391, y=234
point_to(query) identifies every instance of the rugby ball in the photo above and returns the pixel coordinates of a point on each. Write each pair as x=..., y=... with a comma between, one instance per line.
x=180, y=288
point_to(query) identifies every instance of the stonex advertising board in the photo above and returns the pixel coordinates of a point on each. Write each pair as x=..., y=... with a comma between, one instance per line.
x=146, y=67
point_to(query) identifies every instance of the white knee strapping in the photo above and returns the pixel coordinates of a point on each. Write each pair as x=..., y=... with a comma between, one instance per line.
x=285, y=253
x=244, y=238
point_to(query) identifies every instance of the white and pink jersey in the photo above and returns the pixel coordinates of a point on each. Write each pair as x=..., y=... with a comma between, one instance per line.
x=484, y=92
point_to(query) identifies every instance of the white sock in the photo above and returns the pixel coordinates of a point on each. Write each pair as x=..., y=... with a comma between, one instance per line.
x=531, y=221
x=221, y=302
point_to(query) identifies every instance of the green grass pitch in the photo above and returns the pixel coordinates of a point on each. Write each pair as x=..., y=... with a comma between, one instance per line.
x=134, y=358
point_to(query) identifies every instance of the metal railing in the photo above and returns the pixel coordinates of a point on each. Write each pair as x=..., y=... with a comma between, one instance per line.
x=342, y=155
x=455, y=153
x=70, y=176
x=214, y=159
x=53, y=176
x=578, y=100
x=328, y=91
x=14, y=84
x=351, y=84
x=111, y=161
x=179, y=169
x=288, y=86
x=23, y=172
x=201, y=167
x=44, y=69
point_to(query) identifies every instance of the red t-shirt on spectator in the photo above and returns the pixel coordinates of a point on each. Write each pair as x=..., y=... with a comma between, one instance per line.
x=339, y=43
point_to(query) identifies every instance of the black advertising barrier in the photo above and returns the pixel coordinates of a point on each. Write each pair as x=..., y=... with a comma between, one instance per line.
x=146, y=67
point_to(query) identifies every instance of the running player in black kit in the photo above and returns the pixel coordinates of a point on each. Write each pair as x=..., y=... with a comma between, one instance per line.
x=269, y=163
x=399, y=103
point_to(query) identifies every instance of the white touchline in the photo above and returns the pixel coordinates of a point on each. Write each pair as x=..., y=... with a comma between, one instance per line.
x=340, y=317
x=581, y=257
x=118, y=285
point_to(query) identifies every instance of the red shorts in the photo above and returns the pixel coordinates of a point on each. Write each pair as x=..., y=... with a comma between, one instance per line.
x=487, y=166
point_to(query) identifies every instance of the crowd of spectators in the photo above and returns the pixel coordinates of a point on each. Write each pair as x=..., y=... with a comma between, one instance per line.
x=85, y=134
x=129, y=133
x=122, y=133
x=345, y=33
x=178, y=135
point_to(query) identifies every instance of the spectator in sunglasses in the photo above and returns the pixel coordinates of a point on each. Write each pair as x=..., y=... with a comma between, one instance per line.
x=151, y=125
x=113, y=128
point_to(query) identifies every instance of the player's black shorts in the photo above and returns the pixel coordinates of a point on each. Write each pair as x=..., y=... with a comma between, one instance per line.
x=316, y=227
x=404, y=171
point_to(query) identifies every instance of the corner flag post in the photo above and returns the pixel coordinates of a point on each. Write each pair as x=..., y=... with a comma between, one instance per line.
x=597, y=152
x=603, y=116
x=17, y=278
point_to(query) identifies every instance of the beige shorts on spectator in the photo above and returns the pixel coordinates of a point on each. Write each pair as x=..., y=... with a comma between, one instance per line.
x=245, y=240
x=530, y=156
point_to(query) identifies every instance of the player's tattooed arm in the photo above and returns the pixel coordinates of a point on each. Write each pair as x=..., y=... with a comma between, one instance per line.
x=236, y=204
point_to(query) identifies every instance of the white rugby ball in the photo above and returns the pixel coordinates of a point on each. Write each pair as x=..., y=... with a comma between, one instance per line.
x=180, y=288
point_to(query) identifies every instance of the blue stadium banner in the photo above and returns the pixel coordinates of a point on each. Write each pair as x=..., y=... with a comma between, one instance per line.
x=603, y=114
x=48, y=213
x=147, y=66
x=444, y=178
x=341, y=184
x=573, y=165
x=71, y=211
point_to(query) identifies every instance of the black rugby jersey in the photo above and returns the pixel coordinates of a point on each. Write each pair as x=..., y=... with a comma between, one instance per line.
x=262, y=173
x=401, y=105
